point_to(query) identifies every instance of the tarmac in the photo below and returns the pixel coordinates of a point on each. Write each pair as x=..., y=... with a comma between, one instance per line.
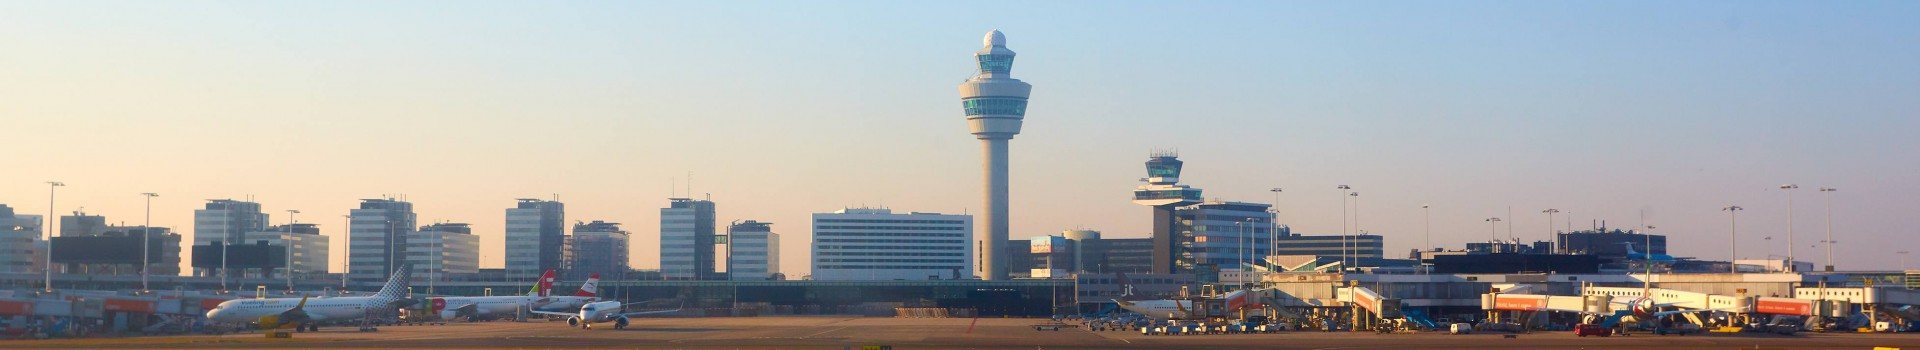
x=837, y=332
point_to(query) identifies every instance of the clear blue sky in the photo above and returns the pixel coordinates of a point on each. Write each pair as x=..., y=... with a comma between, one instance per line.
x=780, y=109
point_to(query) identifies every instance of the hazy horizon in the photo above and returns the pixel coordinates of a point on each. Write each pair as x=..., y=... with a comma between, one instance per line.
x=1603, y=110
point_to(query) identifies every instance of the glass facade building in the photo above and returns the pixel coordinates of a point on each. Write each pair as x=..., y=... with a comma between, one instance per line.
x=536, y=238
x=876, y=244
x=687, y=240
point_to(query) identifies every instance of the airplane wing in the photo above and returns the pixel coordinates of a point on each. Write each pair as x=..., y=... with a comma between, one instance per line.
x=555, y=313
x=654, y=312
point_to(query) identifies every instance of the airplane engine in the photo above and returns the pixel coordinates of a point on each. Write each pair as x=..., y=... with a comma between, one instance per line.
x=574, y=321
x=620, y=323
x=269, y=322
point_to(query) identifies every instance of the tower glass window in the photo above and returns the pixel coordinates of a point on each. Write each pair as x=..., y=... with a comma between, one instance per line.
x=996, y=63
x=995, y=106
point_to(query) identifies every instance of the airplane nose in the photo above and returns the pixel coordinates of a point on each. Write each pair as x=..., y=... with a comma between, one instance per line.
x=213, y=314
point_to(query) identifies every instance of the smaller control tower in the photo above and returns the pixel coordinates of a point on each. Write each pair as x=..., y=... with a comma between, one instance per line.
x=1164, y=193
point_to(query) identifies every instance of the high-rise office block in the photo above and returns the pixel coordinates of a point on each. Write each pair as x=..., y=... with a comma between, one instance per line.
x=310, y=250
x=19, y=241
x=753, y=251
x=1222, y=235
x=876, y=244
x=378, y=238
x=600, y=247
x=536, y=238
x=687, y=239
x=1164, y=193
x=82, y=225
x=440, y=250
x=225, y=220
x=995, y=104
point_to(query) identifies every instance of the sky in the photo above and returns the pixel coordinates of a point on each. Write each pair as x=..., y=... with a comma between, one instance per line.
x=1605, y=110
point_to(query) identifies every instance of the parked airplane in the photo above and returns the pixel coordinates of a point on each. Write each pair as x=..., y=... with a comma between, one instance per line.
x=1634, y=255
x=537, y=299
x=305, y=315
x=1172, y=308
x=604, y=311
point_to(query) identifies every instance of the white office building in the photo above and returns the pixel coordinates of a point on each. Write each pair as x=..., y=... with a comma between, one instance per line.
x=308, y=248
x=377, y=238
x=753, y=251
x=536, y=238
x=441, y=250
x=19, y=242
x=876, y=244
x=687, y=239
x=225, y=220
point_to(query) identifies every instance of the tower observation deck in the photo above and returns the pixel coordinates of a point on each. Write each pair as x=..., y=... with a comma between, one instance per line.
x=1163, y=192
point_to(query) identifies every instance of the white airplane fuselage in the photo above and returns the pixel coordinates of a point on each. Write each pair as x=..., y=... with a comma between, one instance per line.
x=320, y=310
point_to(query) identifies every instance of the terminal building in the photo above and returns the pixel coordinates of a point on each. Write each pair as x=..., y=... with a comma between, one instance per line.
x=877, y=244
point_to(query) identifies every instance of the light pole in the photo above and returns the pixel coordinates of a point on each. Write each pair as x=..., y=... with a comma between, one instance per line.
x=1240, y=227
x=1828, y=192
x=1733, y=229
x=146, y=242
x=1273, y=227
x=1788, y=188
x=1903, y=259
x=1426, y=213
x=346, y=222
x=1357, y=232
x=289, y=243
x=1556, y=236
x=53, y=219
x=1343, y=226
x=1493, y=232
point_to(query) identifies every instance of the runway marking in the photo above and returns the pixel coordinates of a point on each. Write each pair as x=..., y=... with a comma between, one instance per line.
x=822, y=332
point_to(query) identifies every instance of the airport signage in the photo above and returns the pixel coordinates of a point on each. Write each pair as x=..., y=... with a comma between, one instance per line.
x=1783, y=306
x=1516, y=302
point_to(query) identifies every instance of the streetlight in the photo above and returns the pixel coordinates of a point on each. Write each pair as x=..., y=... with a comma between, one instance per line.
x=1427, y=214
x=54, y=220
x=1343, y=225
x=146, y=242
x=346, y=223
x=1828, y=192
x=1493, y=232
x=1240, y=227
x=1788, y=188
x=1903, y=259
x=1273, y=227
x=1357, y=232
x=1733, y=229
x=288, y=240
x=1556, y=236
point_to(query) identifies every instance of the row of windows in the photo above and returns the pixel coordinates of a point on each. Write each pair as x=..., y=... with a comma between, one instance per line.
x=893, y=260
x=892, y=228
x=995, y=63
x=917, y=247
x=932, y=241
x=884, y=267
x=995, y=106
x=888, y=254
x=889, y=234
x=879, y=221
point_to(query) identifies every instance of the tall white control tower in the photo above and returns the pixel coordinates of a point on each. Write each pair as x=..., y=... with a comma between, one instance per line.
x=995, y=103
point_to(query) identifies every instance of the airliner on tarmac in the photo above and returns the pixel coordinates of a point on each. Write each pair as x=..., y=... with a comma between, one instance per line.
x=305, y=315
x=539, y=298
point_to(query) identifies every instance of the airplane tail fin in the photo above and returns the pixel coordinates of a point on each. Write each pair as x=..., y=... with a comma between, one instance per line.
x=1126, y=287
x=396, y=286
x=591, y=288
x=543, y=287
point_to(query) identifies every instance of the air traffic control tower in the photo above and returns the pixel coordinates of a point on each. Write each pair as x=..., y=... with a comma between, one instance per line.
x=1164, y=193
x=995, y=103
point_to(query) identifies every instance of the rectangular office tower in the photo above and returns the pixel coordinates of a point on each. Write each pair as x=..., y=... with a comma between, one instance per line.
x=378, y=238
x=536, y=238
x=600, y=247
x=444, y=249
x=19, y=241
x=226, y=221
x=687, y=239
x=876, y=244
x=753, y=251
x=309, y=248
x=1222, y=235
